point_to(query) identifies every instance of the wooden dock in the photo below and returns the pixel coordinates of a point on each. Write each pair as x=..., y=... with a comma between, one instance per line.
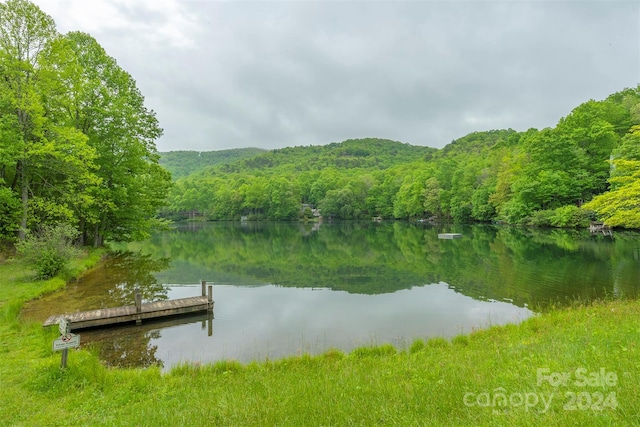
x=448, y=236
x=599, y=227
x=138, y=312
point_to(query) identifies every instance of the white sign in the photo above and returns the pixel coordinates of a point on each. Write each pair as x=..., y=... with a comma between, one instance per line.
x=66, y=341
x=63, y=326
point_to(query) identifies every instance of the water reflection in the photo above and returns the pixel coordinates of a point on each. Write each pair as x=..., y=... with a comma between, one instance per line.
x=283, y=289
x=136, y=346
x=526, y=266
x=271, y=321
x=111, y=285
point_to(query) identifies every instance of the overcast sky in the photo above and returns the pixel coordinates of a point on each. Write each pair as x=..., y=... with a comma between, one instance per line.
x=233, y=74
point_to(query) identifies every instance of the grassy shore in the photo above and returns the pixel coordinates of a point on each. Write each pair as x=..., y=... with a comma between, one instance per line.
x=574, y=366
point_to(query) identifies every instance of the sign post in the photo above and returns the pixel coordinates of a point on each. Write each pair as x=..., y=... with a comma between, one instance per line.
x=66, y=341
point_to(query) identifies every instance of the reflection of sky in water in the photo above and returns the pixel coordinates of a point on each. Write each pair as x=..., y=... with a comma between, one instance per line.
x=270, y=321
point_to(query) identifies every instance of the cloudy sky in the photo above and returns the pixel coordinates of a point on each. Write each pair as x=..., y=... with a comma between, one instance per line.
x=270, y=74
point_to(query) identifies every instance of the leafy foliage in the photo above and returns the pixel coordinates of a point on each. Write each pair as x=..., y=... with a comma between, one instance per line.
x=621, y=206
x=569, y=216
x=9, y=213
x=77, y=140
x=339, y=176
x=50, y=249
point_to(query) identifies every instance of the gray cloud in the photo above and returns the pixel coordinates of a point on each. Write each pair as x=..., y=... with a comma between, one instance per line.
x=272, y=74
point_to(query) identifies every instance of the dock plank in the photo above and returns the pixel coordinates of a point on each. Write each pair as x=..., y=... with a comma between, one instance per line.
x=115, y=315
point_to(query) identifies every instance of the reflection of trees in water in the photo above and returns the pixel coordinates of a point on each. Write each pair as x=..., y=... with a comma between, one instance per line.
x=125, y=347
x=131, y=345
x=127, y=271
x=523, y=265
x=112, y=284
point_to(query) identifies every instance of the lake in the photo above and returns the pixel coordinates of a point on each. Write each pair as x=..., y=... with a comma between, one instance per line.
x=283, y=289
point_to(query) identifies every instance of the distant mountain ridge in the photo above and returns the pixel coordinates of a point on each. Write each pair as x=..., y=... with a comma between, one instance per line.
x=364, y=153
x=184, y=163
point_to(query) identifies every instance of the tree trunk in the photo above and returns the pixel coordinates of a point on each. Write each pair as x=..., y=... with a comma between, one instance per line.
x=82, y=237
x=24, y=191
x=96, y=237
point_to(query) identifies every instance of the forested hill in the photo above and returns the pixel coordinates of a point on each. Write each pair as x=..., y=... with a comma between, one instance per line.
x=585, y=168
x=477, y=143
x=366, y=153
x=183, y=163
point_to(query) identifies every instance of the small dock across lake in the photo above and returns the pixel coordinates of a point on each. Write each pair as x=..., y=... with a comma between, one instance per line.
x=138, y=312
x=599, y=227
x=448, y=236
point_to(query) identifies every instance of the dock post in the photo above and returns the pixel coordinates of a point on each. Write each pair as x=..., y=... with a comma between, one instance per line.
x=138, y=298
x=204, y=288
x=210, y=297
x=210, y=324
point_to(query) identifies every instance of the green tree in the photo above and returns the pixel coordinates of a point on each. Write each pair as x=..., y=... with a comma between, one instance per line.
x=24, y=32
x=105, y=104
x=77, y=141
x=52, y=163
x=381, y=195
x=629, y=147
x=482, y=209
x=431, y=195
x=254, y=194
x=620, y=207
x=284, y=199
x=409, y=201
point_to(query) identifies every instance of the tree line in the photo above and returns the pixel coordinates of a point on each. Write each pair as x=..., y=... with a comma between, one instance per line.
x=585, y=168
x=77, y=142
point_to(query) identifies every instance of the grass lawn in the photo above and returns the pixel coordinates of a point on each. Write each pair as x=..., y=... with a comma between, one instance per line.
x=574, y=366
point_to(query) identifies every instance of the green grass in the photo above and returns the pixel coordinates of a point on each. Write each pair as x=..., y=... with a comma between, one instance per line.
x=428, y=384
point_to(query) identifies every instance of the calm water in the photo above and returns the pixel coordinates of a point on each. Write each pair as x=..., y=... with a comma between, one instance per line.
x=285, y=289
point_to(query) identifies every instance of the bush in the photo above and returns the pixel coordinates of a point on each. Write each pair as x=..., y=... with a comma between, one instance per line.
x=307, y=213
x=569, y=216
x=540, y=218
x=49, y=250
x=516, y=212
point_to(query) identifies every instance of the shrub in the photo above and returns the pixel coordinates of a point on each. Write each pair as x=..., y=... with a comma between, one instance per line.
x=50, y=249
x=516, y=212
x=540, y=218
x=307, y=213
x=569, y=216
